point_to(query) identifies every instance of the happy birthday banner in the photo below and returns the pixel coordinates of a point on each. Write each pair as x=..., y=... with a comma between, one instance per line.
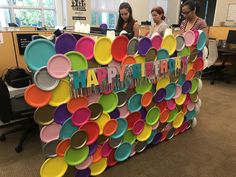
x=125, y=76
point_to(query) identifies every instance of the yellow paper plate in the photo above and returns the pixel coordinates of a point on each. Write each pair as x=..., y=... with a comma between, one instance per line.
x=55, y=167
x=139, y=59
x=163, y=82
x=102, y=120
x=145, y=134
x=102, y=51
x=98, y=167
x=169, y=43
x=180, y=100
x=61, y=94
x=179, y=118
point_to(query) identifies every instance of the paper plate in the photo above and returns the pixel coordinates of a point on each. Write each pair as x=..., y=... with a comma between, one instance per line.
x=145, y=134
x=171, y=104
x=62, y=146
x=139, y=59
x=163, y=82
x=102, y=120
x=55, y=167
x=96, y=110
x=199, y=85
x=129, y=137
x=178, y=120
x=121, y=129
x=36, y=97
x=180, y=42
x=98, y=167
x=194, y=85
x=172, y=115
x=189, y=37
x=65, y=43
x=162, y=54
x=164, y=116
x=115, y=114
x=196, y=32
x=143, y=88
x=134, y=103
x=106, y=149
x=49, y=149
x=150, y=139
x=124, y=112
x=181, y=79
x=85, y=46
x=34, y=57
x=123, y=152
x=44, y=115
x=76, y=156
x=102, y=51
x=186, y=87
x=201, y=42
x=119, y=48
x=170, y=133
x=190, y=74
x=76, y=103
x=92, y=130
x=157, y=138
x=160, y=95
x=169, y=43
x=85, y=164
x=109, y=102
x=193, y=55
x=151, y=54
x=78, y=139
x=67, y=129
x=194, y=97
x=44, y=81
x=178, y=91
x=156, y=41
x=111, y=159
x=198, y=64
x=132, y=119
x=140, y=146
x=61, y=114
x=61, y=94
x=180, y=100
x=115, y=142
x=110, y=127
x=162, y=105
x=78, y=61
x=97, y=155
x=50, y=132
x=170, y=91
x=122, y=98
x=144, y=45
x=146, y=99
x=59, y=66
x=132, y=48
x=128, y=60
x=81, y=116
x=184, y=52
x=153, y=116
x=190, y=115
x=93, y=147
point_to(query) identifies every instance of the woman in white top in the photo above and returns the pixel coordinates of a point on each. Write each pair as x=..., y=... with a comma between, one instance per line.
x=159, y=24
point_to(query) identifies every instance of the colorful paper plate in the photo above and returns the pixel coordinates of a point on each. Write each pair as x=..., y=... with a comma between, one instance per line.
x=119, y=48
x=170, y=133
x=172, y=115
x=62, y=147
x=109, y=102
x=44, y=115
x=153, y=116
x=198, y=64
x=106, y=149
x=151, y=54
x=76, y=156
x=129, y=137
x=102, y=120
x=186, y=87
x=160, y=95
x=59, y=66
x=65, y=43
x=85, y=164
x=171, y=104
x=97, y=155
x=139, y=59
x=162, y=54
x=189, y=37
x=92, y=130
x=49, y=149
x=179, y=119
x=34, y=57
x=150, y=139
x=180, y=42
x=44, y=81
x=194, y=85
x=122, y=98
x=162, y=105
x=156, y=41
x=193, y=55
x=170, y=91
x=111, y=159
x=93, y=147
x=121, y=129
x=143, y=88
x=144, y=45
x=115, y=114
x=123, y=152
x=78, y=61
x=145, y=134
x=128, y=60
x=76, y=103
x=96, y=110
x=180, y=100
x=132, y=119
x=184, y=52
x=110, y=127
x=164, y=116
x=98, y=167
x=67, y=129
x=78, y=139
x=55, y=167
x=163, y=82
x=132, y=48
x=124, y=112
x=169, y=43
x=85, y=46
x=140, y=146
x=61, y=114
x=178, y=91
x=115, y=142
x=102, y=56
x=134, y=103
x=61, y=94
x=196, y=32
x=81, y=116
x=190, y=74
x=50, y=132
x=36, y=97
x=146, y=99
x=201, y=41
x=181, y=79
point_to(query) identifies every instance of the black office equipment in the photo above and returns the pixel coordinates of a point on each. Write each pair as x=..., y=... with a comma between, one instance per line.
x=231, y=38
x=12, y=25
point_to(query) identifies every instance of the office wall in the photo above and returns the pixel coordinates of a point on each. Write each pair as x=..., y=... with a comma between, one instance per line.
x=172, y=13
x=221, y=11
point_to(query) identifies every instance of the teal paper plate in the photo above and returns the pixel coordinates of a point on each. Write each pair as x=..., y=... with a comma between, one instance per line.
x=123, y=152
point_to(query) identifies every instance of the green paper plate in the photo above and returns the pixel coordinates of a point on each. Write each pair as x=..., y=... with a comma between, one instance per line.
x=109, y=102
x=76, y=156
x=153, y=116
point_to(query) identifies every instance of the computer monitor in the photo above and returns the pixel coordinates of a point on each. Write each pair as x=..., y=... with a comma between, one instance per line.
x=12, y=25
x=231, y=38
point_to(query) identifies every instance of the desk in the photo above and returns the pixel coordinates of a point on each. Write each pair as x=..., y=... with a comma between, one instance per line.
x=231, y=51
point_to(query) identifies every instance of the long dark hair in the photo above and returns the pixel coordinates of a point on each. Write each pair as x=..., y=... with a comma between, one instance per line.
x=160, y=11
x=130, y=21
x=192, y=5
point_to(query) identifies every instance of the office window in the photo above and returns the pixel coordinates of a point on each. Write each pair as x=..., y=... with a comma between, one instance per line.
x=28, y=12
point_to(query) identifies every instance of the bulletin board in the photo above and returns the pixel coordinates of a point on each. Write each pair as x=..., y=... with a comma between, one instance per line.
x=231, y=12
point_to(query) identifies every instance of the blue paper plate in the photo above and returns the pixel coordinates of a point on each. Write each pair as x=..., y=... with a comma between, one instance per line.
x=162, y=54
x=201, y=41
x=134, y=103
x=123, y=152
x=67, y=129
x=170, y=91
x=121, y=129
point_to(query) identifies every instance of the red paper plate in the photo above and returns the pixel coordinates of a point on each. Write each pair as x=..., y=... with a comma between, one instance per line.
x=92, y=130
x=119, y=48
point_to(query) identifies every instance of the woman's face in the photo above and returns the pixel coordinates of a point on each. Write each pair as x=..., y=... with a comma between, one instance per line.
x=124, y=13
x=188, y=13
x=156, y=17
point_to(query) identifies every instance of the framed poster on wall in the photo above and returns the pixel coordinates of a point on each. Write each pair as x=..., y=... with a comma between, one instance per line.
x=231, y=12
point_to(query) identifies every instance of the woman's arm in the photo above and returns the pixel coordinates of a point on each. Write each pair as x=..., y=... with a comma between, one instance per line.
x=136, y=29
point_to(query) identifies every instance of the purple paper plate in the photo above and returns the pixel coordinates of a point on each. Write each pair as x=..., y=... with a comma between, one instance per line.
x=143, y=113
x=83, y=173
x=61, y=114
x=160, y=95
x=65, y=43
x=157, y=138
x=144, y=45
x=93, y=148
x=186, y=87
x=115, y=114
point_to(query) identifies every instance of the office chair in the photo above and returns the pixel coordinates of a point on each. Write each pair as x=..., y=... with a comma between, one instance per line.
x=15, y=109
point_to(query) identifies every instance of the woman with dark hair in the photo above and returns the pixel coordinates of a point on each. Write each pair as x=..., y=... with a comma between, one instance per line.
x=126, y=21
x=159, y=21
x=192, y=21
